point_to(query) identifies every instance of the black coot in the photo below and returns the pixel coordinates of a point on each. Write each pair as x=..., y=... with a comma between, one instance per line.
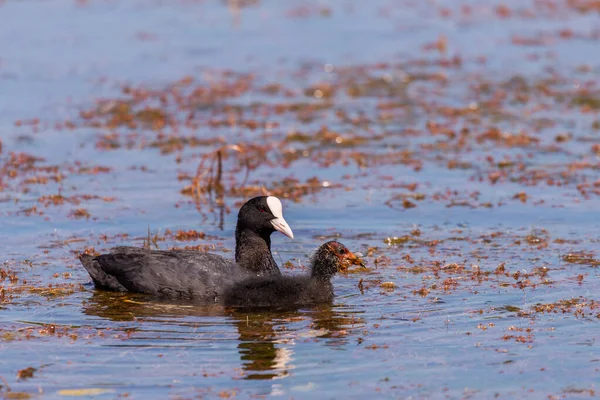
x=193, y=274
x=293, y=291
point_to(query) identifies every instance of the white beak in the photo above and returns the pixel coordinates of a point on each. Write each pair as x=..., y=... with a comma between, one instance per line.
x=280, y=225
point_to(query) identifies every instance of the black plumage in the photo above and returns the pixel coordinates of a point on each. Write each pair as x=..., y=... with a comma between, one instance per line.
x=193, y=274
x=293, y=291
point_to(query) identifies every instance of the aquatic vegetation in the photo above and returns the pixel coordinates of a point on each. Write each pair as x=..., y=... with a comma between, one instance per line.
x=462, y=160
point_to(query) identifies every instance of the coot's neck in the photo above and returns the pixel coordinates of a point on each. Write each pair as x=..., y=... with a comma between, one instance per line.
x=253, y=252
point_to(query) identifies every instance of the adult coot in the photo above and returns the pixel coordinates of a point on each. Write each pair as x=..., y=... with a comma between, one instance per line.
x=193, y=274
x=293, y=291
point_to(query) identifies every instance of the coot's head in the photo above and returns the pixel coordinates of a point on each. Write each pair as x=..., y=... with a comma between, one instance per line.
x=264, y=215
x=332, y=257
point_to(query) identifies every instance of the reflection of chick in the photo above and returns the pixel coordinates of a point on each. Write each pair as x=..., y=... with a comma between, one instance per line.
x=291, y=291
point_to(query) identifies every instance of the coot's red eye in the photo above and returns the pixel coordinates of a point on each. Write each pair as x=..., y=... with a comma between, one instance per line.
x=262, y=209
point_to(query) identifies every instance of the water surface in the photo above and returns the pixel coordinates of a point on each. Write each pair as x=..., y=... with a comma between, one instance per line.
x=455, y=144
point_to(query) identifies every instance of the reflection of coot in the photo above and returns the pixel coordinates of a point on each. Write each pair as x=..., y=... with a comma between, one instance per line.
x=258, y=352
x=264, y=347
x=293, y=291
x=192, y=274
x=131, y=306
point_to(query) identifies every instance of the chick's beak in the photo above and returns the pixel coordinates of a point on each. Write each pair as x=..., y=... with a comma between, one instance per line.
x=348, y=259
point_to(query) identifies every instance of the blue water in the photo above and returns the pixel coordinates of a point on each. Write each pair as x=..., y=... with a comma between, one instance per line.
x=58, y=58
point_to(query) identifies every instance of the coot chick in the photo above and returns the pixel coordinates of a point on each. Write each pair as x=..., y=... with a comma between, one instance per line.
x=294, y=291
x=193, y=274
